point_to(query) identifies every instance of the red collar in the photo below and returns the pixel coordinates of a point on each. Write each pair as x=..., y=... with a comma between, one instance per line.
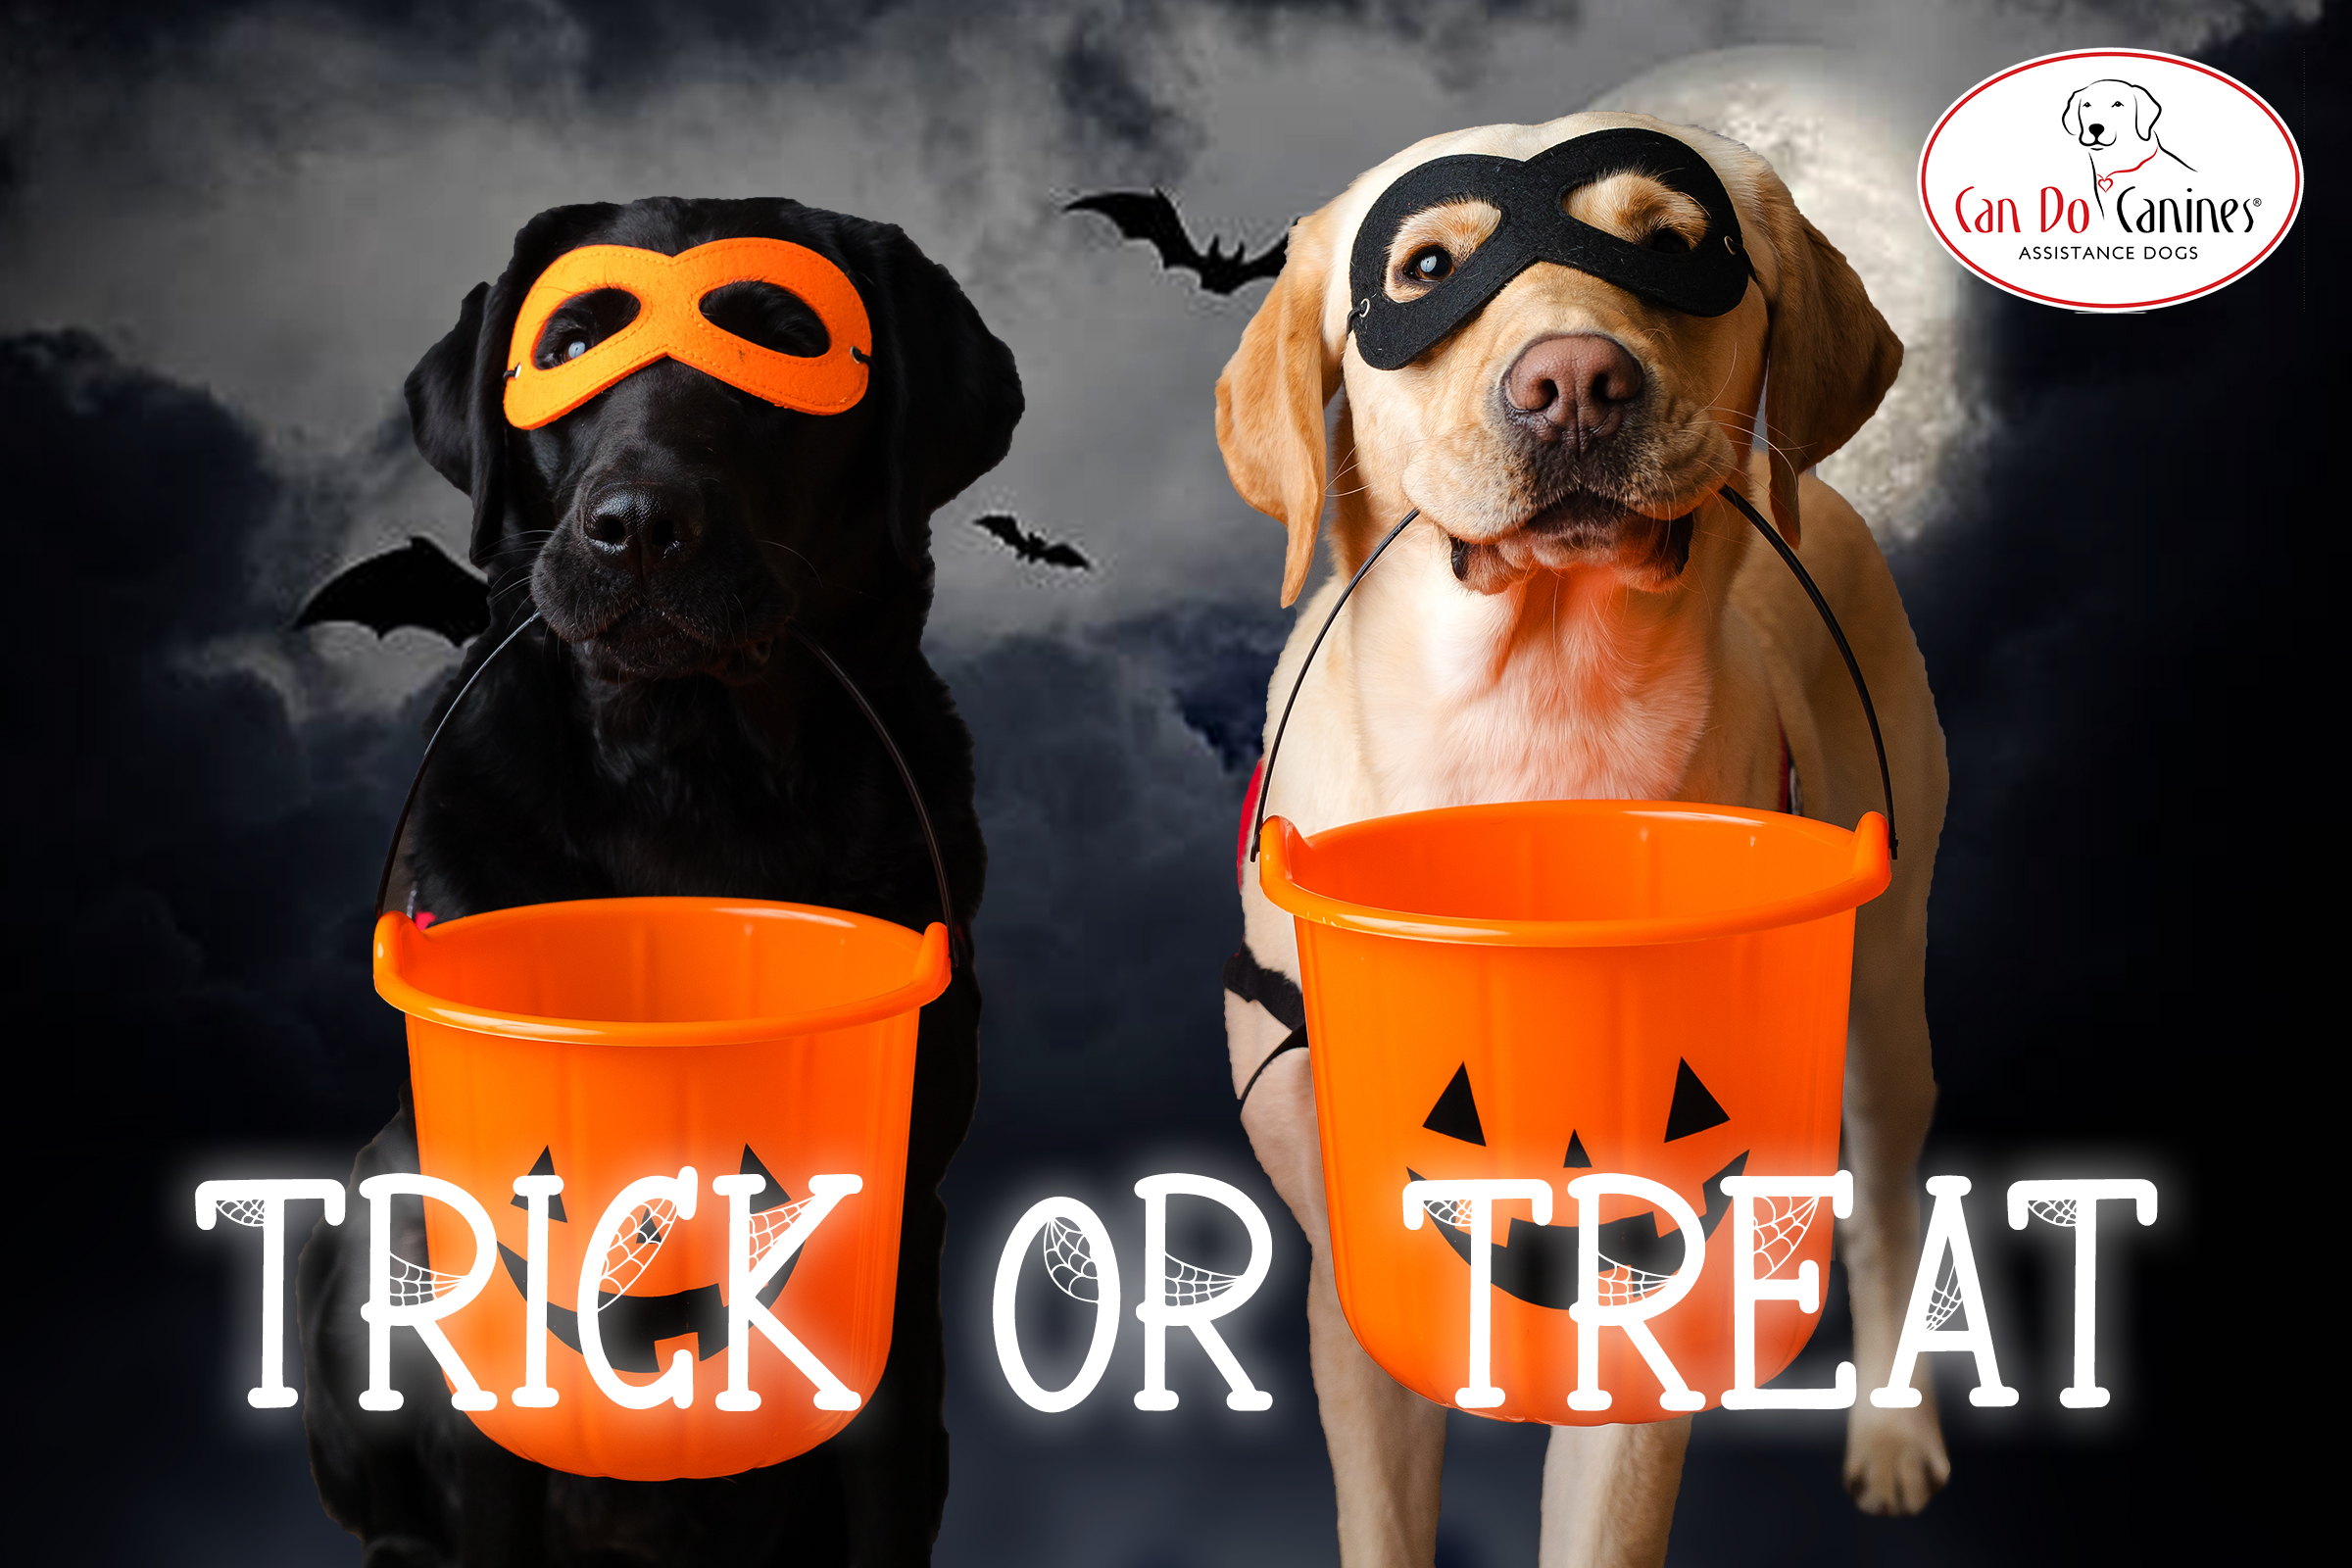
x=2107, y=181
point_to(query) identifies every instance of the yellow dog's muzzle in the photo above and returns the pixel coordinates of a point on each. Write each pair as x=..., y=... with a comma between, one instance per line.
x=669, y=325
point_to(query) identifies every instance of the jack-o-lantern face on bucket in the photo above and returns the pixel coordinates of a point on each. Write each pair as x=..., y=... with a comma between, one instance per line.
x=1659, y=1092
x=1538, y=1263
x=634, y=1322
x=577, y=1041
x=786, y=1110
x=1553, y=990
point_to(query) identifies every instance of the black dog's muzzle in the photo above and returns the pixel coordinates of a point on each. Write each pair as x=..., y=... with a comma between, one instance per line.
x=1709, y=279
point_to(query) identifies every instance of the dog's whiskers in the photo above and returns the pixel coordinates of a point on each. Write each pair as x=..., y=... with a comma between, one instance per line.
x=775, y=544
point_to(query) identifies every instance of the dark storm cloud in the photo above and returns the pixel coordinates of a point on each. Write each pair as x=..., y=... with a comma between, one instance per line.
x=171, y=796
x=185, y=920
x=1213, y=659
x=1109, y=903
x=1098, y=84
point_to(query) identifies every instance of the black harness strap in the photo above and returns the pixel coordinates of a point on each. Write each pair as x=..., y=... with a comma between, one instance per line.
x=1272, y=990
x=1295, y=1040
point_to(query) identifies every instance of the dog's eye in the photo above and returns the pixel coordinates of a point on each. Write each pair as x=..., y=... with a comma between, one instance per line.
x=768, y=316
x=1430, y=264
x=555, y=347
x=1668, y=241
x=581, y=324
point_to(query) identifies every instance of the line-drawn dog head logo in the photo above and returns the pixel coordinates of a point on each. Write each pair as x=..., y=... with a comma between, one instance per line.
x=2115, y=123
x=2105, y=112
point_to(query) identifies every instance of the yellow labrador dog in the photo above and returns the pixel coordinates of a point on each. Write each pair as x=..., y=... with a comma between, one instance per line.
x=1577, y=615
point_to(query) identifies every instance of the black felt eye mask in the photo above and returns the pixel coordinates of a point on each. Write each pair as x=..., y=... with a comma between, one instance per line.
x=1709, y=279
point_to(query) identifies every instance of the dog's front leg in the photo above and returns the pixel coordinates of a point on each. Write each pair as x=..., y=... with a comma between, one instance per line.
x=1388, y=1444
x=1895, y=1460
x=502, y=1508
x=893, y=1455
x=1609, y=1493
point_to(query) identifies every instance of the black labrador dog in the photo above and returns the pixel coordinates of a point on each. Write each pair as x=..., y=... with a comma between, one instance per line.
x=662, y=733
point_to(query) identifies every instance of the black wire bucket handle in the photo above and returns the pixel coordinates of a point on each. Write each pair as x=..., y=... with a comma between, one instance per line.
x=1266, y=783
x=939, y=865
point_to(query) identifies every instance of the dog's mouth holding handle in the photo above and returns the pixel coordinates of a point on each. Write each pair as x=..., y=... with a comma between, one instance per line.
x=718, y=612
x=1580, y=529
x=644, y=643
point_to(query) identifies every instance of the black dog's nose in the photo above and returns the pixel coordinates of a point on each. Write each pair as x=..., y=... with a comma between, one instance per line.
x=1574, y=388
x=2097, y=130
x=644, y=527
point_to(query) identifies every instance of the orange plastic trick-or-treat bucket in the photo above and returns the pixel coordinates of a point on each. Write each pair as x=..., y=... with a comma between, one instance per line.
x=608, y=1040
x=1541, y=989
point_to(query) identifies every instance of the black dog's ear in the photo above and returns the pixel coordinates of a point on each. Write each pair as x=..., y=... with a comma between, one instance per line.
x=440, y=394
x=953, y=393
x=456, y=394
x=462, y=434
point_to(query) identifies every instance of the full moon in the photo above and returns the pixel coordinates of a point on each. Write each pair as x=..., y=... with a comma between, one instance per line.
x=1835, y=144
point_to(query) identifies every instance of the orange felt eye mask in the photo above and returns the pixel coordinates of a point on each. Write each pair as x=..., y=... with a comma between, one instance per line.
x=669, y=323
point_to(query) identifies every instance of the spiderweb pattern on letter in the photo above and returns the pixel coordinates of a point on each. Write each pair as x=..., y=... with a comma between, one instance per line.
x=1781, y=1229
x=1945, y=1305
x=1070, y=1261
x=1620, y=1283
x=244, y=1210
x=2058, y=1212
x=1453, y=1211
x=1071, y=1264
x=633, y=1247
x=768, y=1228
x=1189, y=1283
x=414, y=1285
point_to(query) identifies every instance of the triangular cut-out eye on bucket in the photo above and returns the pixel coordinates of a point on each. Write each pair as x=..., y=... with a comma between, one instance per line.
x=773, y=1194
x=1694, y=1110
x=545, y=1165
x=1576, y=1159
x=1455, y=1113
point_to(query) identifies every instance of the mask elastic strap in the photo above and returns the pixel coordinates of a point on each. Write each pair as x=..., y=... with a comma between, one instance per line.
x=1266, y=783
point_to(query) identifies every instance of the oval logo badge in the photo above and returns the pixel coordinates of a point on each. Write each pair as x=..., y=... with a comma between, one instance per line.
x=2111, y=179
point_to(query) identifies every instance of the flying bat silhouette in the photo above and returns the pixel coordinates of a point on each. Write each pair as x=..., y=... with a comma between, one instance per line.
x=413, y=586
x=1150, y=216
x=1030, y=546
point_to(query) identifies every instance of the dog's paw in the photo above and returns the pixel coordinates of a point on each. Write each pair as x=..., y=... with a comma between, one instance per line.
x=1895, y=1460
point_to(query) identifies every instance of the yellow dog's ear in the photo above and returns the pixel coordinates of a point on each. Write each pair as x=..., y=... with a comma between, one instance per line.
x=1270, y=400
x=1832, y=353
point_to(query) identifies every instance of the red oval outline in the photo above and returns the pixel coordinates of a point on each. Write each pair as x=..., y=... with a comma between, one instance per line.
x=2294, y=154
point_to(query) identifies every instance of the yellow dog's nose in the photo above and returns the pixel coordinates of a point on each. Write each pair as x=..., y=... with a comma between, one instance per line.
x=1574, y=388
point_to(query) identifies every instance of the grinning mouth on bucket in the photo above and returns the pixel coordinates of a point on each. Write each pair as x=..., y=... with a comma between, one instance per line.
x=633, y=1327
x=1538, y=1264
